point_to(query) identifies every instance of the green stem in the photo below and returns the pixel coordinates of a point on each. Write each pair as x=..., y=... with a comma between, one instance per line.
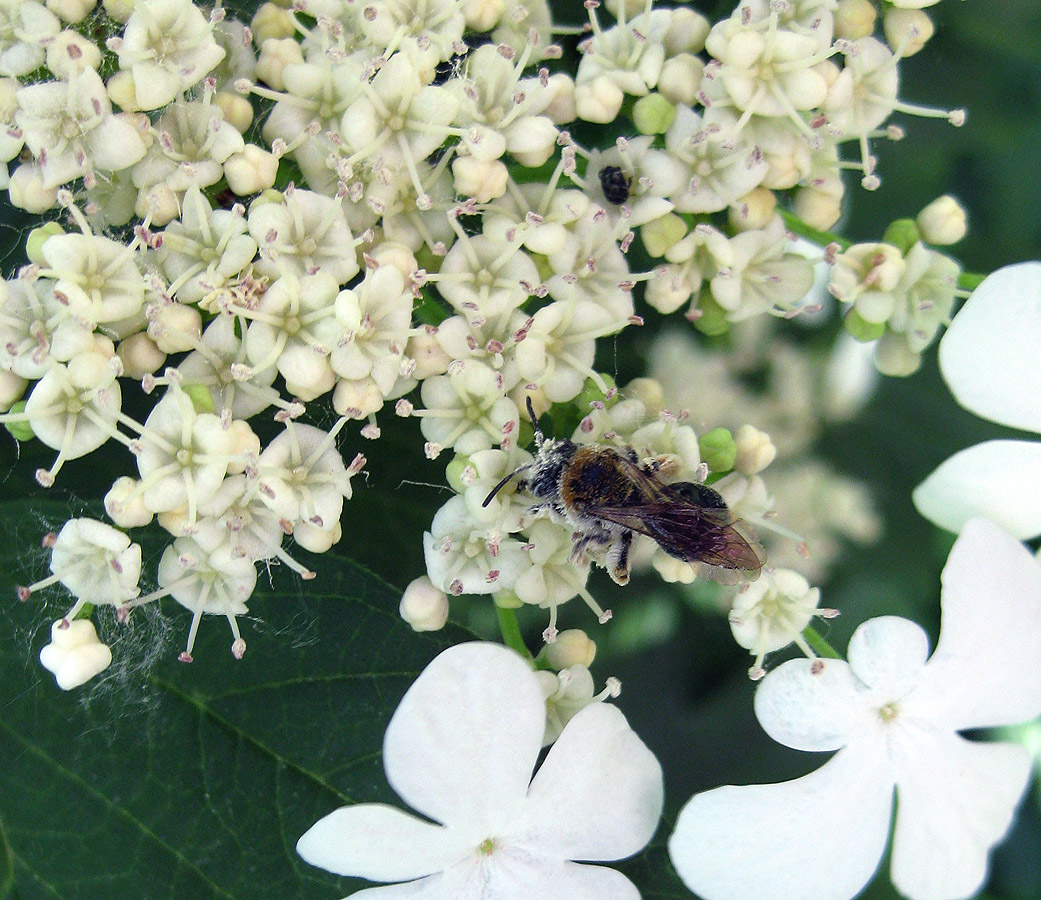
x=821, y=646
x=511, y=633
x=967, y=281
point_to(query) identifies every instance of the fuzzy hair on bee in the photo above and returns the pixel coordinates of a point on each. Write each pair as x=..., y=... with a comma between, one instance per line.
x=609, y=495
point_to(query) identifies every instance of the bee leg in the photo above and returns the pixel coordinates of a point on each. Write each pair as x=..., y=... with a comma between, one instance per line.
x=618, y=558
x=587, y=543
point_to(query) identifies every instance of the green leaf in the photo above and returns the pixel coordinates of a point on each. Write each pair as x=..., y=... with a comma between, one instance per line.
x=6, y=865
x=164, y=780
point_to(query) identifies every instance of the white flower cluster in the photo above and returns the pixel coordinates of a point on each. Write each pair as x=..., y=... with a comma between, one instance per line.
x=429, y=171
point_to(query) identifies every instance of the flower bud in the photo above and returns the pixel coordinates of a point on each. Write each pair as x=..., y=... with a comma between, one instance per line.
x=245, y=445
x=687, y=32
x=251, y=170
x=12, y=388
x=315, y=539
x=428, y=355
x=483, y=180
x=71, y=11
x=175, y=327
x=893, y=356
x=668, y=289
x=663, y=233
x=237, y=110
x=942, y=222
x=653, y=114
x=37, y=237
x=755, y=450
x=902, y=234
x=718, y=449
x=26, y=191
x=271, y=21
x=561, y=107
x=125, y=505
x=483, y=15
x=122, y=92
x=275, y=55
x=423, y=606
x=119, y=10
x=649, y=392
x=397, y=256
x=754, y=210
x=531, y=140
x=159, y=203
x=907, y=30
x=818, y=208
x=680, y=79
x=598, y=100
x=75, y=653
x=855, y=19
x=572, y=647
x=140, y=355
x=357, y=399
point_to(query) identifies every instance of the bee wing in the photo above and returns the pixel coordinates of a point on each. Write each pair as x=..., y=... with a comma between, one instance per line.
x=677, y=517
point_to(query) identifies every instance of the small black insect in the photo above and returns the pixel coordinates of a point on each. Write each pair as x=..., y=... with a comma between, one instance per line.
x=607, y=495
x=615, y=185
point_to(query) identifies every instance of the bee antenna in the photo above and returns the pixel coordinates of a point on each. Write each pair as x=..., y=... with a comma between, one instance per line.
x=539, y=436
x=495, y=490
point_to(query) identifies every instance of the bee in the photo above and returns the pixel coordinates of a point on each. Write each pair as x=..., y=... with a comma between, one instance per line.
x=609, y=495
x=614, y=184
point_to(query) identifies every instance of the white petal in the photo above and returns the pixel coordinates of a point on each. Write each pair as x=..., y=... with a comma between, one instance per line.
x=810, y=704
x=819, y=837
x=888, y=653
x=997, y=480
x=955, y=800
x=377, y=842
x=463, y=742
x=572, y=881
x=985, y=670
x=989, y=354
x=598, y=794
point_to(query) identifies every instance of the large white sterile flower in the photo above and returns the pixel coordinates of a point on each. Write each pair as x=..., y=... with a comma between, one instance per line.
x=989, y=359
x=460, y=750
x=895, y=712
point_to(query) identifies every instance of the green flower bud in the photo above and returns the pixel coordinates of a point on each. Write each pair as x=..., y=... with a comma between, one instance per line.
x=861, y=329
x=653, y=114
x=713, y=318
x=34, y=243
x=20, y=431
x=902, y=234
x=454, y=472
x=660, y=235
x=591, y=393
x=202, y=399
x=718, y=449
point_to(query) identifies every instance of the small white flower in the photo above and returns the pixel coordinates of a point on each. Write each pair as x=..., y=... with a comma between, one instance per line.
x=168, y=46
x=96, y=562
x=191, y=142
x=75, y=653
x=567, y=693
x=772, y=613
x=26, y=27
x=304, y=233
x=460, y=750
x=71, y=129
x=896, y=716
x=989, y=360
